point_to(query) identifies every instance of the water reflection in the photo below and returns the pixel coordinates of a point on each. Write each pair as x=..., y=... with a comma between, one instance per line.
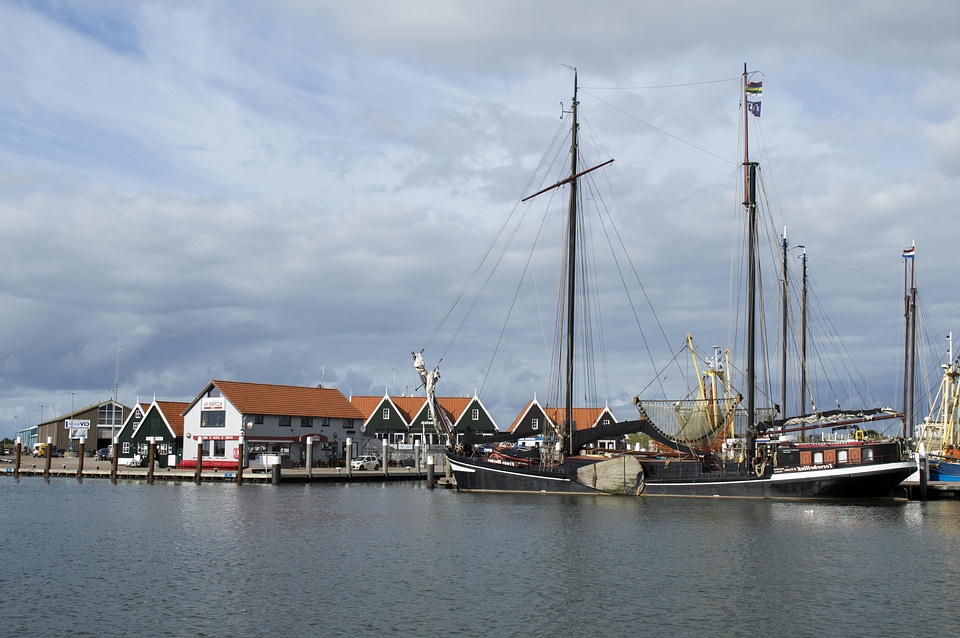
x=359, y=560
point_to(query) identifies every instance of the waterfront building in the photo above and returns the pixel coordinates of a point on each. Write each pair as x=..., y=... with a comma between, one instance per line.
x=104, y=420
x=406, y=420
x=160, y=422
x=387, y=418
x=270, y=420
x=530, y=424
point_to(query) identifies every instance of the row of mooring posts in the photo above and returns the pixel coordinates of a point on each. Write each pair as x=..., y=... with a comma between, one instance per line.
x=274, y=467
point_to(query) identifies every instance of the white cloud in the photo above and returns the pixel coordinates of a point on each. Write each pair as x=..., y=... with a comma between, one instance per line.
x=295, y=191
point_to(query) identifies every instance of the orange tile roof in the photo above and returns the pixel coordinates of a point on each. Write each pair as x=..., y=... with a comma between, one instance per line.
x=173, y=411
x=365, y=404
x=409, y=406
x=454, y=405
x=287, y=400
x=583, y=417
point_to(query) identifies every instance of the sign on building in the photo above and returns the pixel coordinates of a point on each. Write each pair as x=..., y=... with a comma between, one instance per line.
x=79, y=428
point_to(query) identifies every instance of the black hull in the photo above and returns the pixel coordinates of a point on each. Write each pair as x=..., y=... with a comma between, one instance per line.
x=477, y=475
x=847, y=483
x=864, y=481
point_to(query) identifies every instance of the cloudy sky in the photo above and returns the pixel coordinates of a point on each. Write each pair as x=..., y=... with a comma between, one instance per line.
x=296, y=191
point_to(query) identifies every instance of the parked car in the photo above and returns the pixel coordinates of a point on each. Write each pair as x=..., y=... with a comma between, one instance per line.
x=42, y=450
x=105, y=453
x=368, y=462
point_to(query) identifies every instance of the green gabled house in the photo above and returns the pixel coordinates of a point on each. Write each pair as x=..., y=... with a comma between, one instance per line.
x=160, y=421
x=532, y=422
x=466, y=414
x=406, y=419
x=387, y=417
x=472, y=417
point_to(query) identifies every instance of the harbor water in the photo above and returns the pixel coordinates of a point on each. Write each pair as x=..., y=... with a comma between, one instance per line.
x=94, y=558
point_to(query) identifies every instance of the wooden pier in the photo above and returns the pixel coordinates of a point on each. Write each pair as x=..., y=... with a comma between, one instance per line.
x=92, y=469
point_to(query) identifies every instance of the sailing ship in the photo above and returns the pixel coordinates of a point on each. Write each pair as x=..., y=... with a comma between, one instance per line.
x=940, y=434
x=699, y=452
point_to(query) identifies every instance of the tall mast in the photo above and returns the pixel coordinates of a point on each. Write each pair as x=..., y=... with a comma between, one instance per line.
x=750, y=204
x=571, y=268
x=567, y=426
x=910, y=331
x=803, y=340
x=784, y=300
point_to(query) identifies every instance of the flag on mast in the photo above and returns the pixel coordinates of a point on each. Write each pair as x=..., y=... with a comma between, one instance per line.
x=754, y=88
x=908, y=253
x=754, y=108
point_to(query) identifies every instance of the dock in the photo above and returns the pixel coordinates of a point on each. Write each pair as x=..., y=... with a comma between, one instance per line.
x=93, y=469
x=936, y=490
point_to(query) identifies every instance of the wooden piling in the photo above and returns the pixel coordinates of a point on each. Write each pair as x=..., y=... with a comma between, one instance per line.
x=241, y=457
x=80, y=461
x=48, y=452
x=114, y=460
x=199, y=460
x=150, y=457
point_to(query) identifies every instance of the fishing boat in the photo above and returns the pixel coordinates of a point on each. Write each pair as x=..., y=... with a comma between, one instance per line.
x=939, y=434
x=699, y=451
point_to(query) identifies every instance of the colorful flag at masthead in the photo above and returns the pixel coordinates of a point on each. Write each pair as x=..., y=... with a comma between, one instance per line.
x=754, y=107
x=755, y=88
x=908, y=253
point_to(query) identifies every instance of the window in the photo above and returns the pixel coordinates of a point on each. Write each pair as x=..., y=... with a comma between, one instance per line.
x=213, y=418
x=386, y=414
x=109, y=414
x=126, y=447
x=284, y=421
x=325, y=421
x=534, y=424
x=475, y=414
x=306, y=421
x=258, y=419
x=214, y=448
x=606, y=421
x=817, y=458
x=841, y=456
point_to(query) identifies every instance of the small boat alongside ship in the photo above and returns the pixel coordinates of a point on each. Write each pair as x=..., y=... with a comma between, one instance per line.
x=714, y=443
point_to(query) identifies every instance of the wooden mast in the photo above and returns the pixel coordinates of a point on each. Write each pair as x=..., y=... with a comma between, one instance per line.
x=803, y=340
x=785, y=305
x=909, y=342
x=750, y=204
x=572, y=221
x=571, y=269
